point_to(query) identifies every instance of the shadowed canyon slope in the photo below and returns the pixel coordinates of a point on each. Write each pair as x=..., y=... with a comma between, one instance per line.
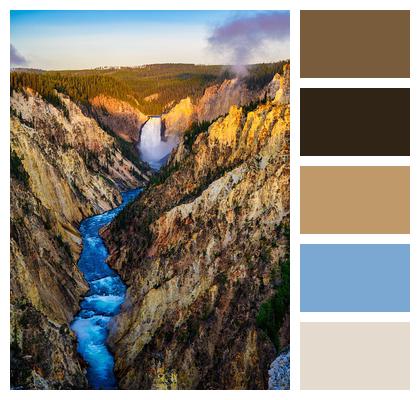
x=203, y=250
x=119, y=116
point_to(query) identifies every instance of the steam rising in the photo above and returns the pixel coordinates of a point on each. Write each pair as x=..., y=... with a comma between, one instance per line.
x=15, y=57
x=241, y=38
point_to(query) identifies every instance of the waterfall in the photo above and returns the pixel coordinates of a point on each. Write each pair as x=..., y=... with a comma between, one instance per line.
x=152, y=147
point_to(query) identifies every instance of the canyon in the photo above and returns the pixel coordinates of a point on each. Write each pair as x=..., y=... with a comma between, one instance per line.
x=201, y=261
x=63, y=169
x=203, y=250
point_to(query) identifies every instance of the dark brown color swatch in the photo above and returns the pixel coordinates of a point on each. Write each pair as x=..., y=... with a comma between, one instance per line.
x=355, y=122
x=355, y=200
x=355, y=44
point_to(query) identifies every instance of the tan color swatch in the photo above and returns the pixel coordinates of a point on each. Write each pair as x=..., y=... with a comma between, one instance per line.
x=355, y=355
x=355, y=44
x=354, y=200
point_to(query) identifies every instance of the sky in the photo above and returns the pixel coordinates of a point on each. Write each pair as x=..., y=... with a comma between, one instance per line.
x=89, y=39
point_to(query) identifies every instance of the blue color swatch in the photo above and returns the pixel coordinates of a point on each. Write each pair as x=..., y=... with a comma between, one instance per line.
x=354, y=278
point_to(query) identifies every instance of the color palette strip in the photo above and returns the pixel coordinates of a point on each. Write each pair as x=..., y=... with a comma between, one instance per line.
x=355, y=200
x=355, y=122
x=355, y=44
x=354, y=278
x=355, y=355
x=358, y=200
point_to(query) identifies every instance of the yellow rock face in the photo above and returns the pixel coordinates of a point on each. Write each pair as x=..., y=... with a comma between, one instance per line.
x=217, y=101
x=179, y=118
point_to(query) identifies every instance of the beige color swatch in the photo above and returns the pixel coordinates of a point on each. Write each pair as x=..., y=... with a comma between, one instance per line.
x=355, y=200
x=355, y=44
x=355, y=355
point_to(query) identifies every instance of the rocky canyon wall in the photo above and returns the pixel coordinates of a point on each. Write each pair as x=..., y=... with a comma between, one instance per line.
x=64, y=167
x=217, y=100
x=202, y=250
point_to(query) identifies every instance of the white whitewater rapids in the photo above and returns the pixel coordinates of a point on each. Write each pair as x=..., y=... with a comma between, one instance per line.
x=155, y=149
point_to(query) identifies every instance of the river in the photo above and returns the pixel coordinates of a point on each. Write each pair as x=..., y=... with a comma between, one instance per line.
x=102, y=302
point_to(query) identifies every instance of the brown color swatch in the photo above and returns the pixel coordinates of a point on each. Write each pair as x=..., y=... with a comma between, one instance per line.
x=355, y=44
x=355, y=200
x=355, y=122
x=355, y=355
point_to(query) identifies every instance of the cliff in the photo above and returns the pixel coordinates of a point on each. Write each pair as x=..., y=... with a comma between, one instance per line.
x=217, y=100
x=64, y=167
x=179, y=118
x=204, y=250
x=118, y=116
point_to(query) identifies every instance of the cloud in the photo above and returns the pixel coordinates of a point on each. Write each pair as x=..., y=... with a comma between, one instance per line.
x=15, y=57
x=242, y=37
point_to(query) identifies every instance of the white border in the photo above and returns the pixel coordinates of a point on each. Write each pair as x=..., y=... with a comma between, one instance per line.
x=294, y=6
x=412, y=316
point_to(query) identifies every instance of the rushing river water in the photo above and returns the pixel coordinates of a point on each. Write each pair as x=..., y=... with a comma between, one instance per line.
x=102, y=302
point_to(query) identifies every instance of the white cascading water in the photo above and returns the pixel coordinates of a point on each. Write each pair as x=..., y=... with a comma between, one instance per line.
x=152, y=148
